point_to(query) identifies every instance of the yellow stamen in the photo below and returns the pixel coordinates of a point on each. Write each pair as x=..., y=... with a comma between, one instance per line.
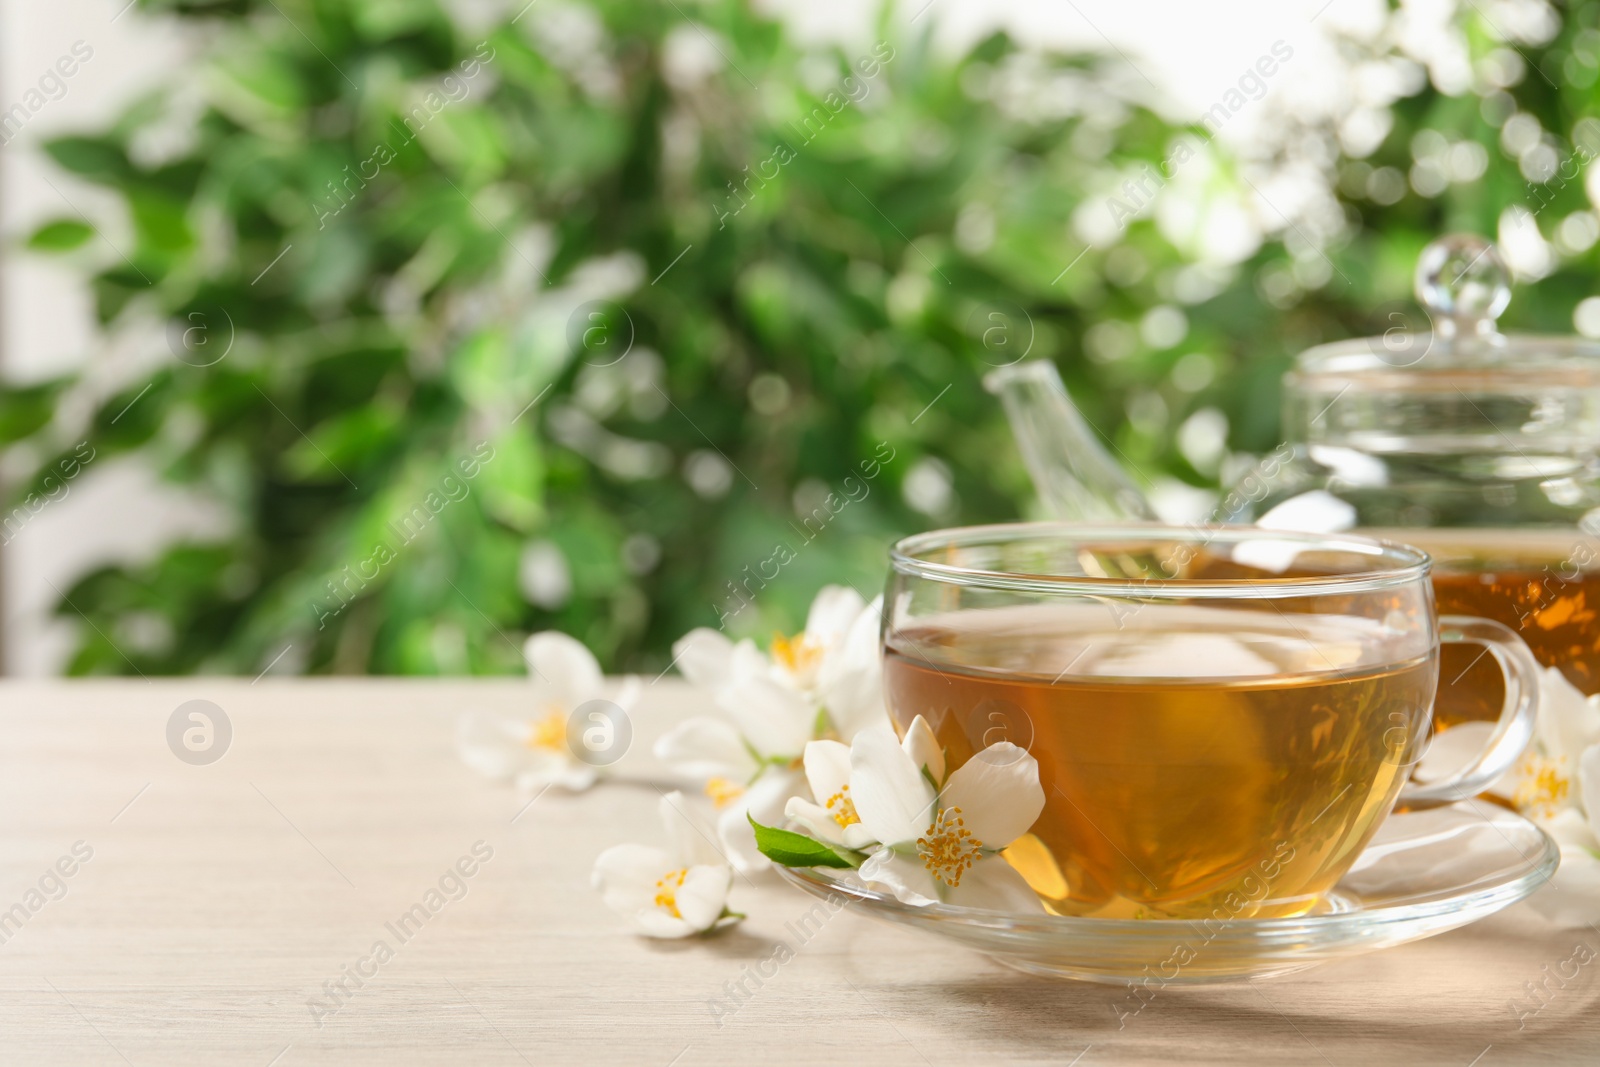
x=667, y=887
x=948, y=849
x=798, y=654
x=1543, y=786
x=723, y=791
x=842, y=808
x=550, y=731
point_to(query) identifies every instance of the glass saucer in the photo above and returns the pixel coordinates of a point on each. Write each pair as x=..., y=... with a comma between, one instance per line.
x=1424, y=872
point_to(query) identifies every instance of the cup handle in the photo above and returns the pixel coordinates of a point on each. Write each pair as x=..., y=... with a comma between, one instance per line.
x=1512, y=732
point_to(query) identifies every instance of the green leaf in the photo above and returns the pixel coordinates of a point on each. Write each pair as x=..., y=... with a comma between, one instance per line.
x=132, y=417
x=160, y=221
x=26, y=409
x=97, y=159
x=346, y=441
x=270, y=78
x=798, y=850
x=61, y=235
x=512, y=484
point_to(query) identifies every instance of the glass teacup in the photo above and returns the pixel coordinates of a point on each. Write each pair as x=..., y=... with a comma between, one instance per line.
x=1222, y=716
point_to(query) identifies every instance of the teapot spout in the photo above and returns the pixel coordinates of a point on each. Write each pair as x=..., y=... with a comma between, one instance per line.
x=1076, y=479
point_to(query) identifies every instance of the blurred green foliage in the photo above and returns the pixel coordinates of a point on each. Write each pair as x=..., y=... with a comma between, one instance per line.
x=387, y=246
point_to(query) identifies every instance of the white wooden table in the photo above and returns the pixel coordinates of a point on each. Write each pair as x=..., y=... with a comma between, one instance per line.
x=220, y=899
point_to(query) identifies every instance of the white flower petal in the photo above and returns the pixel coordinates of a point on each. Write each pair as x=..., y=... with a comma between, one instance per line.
x=747, y=661
x=549, y=770
x=893, y=799
x=854, y=702
x=1569, y=827
x=1568, y=721
x=902, y=875
x=816, y=819
x=626, y=877
x=768, y=794
x=857, y=836
x=703, y=748
x=737, y=839
x=493, y=745
x=832, y=613
x=687, y=842
x=764, y=801
x=850, y=680
x=994, y=885
x=776, y=720
x=827, y=766
x=568, y=671
x=658, y=922
x=1571, y=900
x=701, y=897
x=635, y=880
x=1589, y=786
x=998, y=793
x=704, y=656
x=923, y=748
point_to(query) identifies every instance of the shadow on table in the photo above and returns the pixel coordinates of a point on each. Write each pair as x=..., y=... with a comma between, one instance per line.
x=1266, y=1021
x=734, y=943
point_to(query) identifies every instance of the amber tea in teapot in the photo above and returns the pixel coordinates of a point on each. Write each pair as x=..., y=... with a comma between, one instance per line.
x=1543, y=584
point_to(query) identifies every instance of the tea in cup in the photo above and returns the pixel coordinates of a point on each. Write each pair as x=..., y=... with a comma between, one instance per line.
x=1222, y=716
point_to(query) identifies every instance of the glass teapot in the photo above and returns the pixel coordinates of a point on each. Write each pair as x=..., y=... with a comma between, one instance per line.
x=1480, y=447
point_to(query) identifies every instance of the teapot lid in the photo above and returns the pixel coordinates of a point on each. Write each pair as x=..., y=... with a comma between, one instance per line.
x=1461, y=389
x=1463, y=286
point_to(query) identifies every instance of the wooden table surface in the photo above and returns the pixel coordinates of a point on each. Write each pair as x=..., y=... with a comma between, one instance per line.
x=218, y=900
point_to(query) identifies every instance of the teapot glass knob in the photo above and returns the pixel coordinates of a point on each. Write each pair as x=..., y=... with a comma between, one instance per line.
x=1463, y=284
